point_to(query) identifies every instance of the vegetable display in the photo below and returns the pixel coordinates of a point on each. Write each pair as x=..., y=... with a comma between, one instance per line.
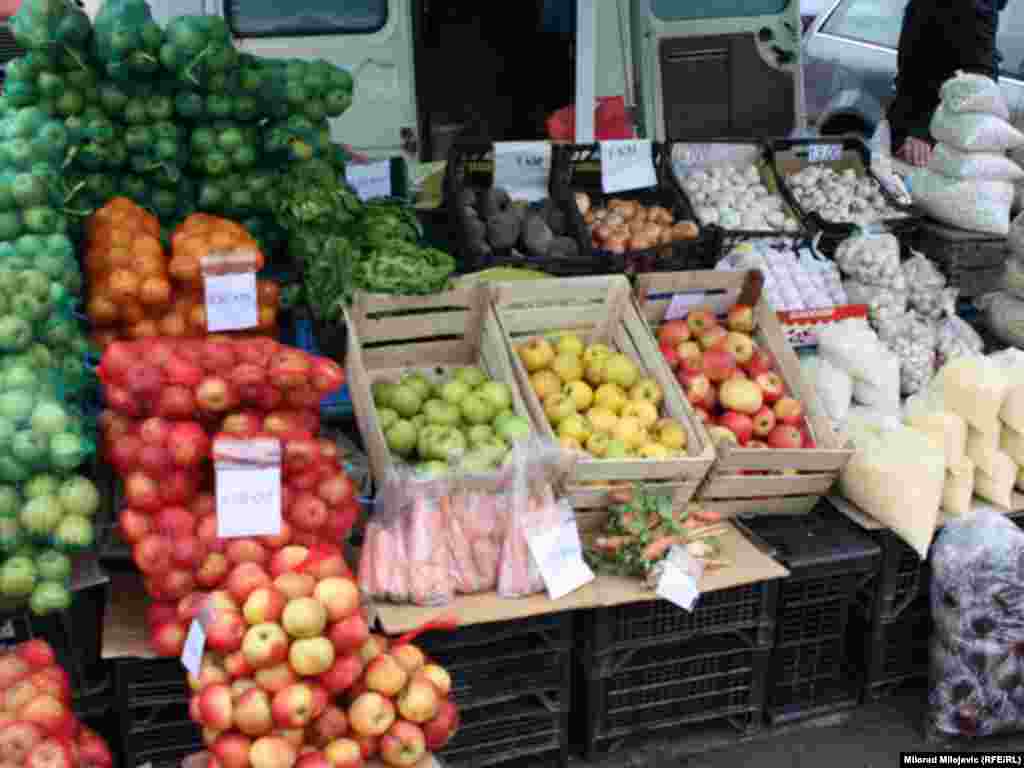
x=619, y=226
x=737, y=198
x=841, y=197
x=491, y=221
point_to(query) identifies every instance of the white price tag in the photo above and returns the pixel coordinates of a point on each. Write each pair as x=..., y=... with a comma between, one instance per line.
x=248, y=483
x=522, y=169
x=824, y=153
x=231, y=303
x=195, y=644
x=559, y=557
x=682, y=303
x=627, y=164
x=370, y=180
x=678, y=587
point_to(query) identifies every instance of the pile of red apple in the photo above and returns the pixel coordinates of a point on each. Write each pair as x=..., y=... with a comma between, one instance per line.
x=37, y=726
x=303, y=683
x=167, y=408
x=731, y=382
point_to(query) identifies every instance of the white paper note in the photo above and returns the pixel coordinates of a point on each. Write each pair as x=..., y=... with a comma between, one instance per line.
x=248, y=482
x=522, y=168
x=627, y=164
x=370, y=180
x=682, y=303
x=195, y=644
x=231, y=303
x=559, y=557
x=678, y=587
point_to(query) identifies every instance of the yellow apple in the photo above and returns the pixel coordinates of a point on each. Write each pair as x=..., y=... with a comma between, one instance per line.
x=669, y=433
x=643, y=411
x=630, y=432
x=594, y=352
x=596, y=371
x=622, y=371
x=603, y=419
x=610, y=396
x=581, y=393
x=570, y=444
x=647, y=389
x=545, y=383
x=536, y=354
x=568, y=367
x=575, y=426
x=569, y=343
x=652, y=451
x=597, y=445
x=558, y=408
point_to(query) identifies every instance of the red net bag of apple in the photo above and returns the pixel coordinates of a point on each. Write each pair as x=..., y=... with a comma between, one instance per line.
x=39, y=728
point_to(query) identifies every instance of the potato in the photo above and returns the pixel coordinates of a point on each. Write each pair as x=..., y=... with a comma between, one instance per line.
x=685, y=230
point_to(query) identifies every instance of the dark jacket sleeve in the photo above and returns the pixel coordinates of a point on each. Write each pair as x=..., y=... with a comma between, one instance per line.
x=968, y=31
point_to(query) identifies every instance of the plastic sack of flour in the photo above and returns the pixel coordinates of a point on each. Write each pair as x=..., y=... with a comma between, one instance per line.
x=971, y=92
x=974, y=204
x=974, y=131
x=833, y=385
x=993, y=166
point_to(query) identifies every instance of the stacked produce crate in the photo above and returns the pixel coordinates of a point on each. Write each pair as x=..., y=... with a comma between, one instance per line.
x=812, y=669
x=151, y=702
x=512, y=684
x=652, y=667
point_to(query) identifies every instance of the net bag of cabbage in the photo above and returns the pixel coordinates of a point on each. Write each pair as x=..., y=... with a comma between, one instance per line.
x=977, y=595
x=127, y=40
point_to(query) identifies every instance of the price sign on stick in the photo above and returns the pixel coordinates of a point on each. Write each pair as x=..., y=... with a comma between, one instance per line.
x=678, y=587
x=522, y=168
x=627, y=164
x=229, y=285
x=559, y=557
x=248, y=484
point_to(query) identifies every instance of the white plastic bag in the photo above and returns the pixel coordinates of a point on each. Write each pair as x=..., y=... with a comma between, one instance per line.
x=925, y=286
x=873, y=259
x=912, y=339
x=884, y=304
x=970, y=92
x=975, y=388
x=974, y=131
x=851, y=346
x=993, y=166
x=833, y=385
x=980, y=206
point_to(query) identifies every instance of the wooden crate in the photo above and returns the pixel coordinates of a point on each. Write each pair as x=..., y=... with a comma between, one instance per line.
x=727, y=489
x=392, y=335
x=601, y=310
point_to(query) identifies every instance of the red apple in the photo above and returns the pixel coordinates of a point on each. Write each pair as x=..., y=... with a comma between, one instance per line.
x=418, y=701
x=374, y=646
x=349, y=634
x=309, y=512
x=252, y=713
x=344, y=753
x=247, y=551
x=385, y=675
x=168, y=639
x=142, y=492
x=438, y=676
x=226, y=633
x=739, y=424
x=216, y=707
x=294, y=585
x=265, y=604
x=265, y=645
x=741, y=346
x=213, y=570
x=764, y=421
x=741, y=318
x=760, y=362
x=697, y=389
x=439, y=731
x=339, y=596
x=785, y=436
x=245, y=579
x=771, y=386
x=403, y=745
x=670, y=355
x=133, y=525
x=215, y=395
x=672, y=333
x=368, y=745
x=273, y=752
x=329, y=725
x=276, y=678
x=152, y=555
x=293, y=707
x=409, y=656
x=740, y=395
x=343, y=673
x=690, y=354
x=789, y=411
x=714, y=338
x=371, y=714
x=237, y=667
x=291, y=558
x=232, y=749
x=701, y=320
x=719, y=364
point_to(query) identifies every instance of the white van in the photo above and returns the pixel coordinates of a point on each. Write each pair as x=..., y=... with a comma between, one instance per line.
x=425, y=69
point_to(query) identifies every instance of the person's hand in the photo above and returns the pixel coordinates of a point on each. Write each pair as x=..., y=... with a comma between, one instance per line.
x=916, y=152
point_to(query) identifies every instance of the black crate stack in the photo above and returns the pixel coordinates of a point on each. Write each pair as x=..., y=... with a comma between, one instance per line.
x=649, y=668
x=152, y=699
x=813, y=670
x=512, y=682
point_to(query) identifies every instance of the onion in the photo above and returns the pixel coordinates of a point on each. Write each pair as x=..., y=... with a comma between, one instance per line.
x=616, y=245
x=685, y=230
x=652, y=231
x=588, y=218
x=600, y=213
x=615, y=220
x=636, y=226
x=639, y=243
x=602, y=232
x=641, y=213
x=583, y=202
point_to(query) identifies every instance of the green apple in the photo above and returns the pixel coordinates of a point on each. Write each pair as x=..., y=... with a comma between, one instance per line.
x=512, y=428
x=49, y=597
x=382, y=392
x=476, y=410
x=41, y=516
x=74, y=532
x=479, y=433
x=41, y=485
x=432, y=469
x=406, y=401
x=443, y=413
x=17, y=577
x=29, y=447
x=7, y=430
x=20, y=377
x=11, y=535
x=616, y=449
x=10, y=502
x=386, y=417
x=49, y=417
x=471, y=376
x=401, y=437
x=12, y=471
x=16, y=405
x=418, y=382
x=53, y=566
x=478, y=462
x=67, y=451
x=454, y=391
x=441, y=443
x=78, y=496
x=496, y=448
x=419, y=421
x=498, y=394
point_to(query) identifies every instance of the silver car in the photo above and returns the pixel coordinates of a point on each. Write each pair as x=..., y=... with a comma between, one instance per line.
x=850, y=63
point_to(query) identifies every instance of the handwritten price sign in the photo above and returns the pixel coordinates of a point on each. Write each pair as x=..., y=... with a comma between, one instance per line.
x=248, y=482
x=627, y=164
x=231, y=303
x=522, y=169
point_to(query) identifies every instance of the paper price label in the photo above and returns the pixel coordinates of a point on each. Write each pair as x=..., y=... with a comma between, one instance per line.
x=231, y=303
x=678, y=587
x=195, y=644
x=824, y=153
x=627, y=164
x=682, y=303
x=248, y=486
x=559, y=557
x=370, y=180
x=522, y=169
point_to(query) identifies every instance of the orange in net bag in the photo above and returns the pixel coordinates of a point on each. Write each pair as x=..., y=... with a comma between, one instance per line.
x=205, y=244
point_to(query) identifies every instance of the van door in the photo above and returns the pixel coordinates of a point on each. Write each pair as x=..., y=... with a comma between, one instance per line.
x=372, y=39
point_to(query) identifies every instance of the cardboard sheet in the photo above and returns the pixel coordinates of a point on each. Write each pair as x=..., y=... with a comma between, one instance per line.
x=124, y=626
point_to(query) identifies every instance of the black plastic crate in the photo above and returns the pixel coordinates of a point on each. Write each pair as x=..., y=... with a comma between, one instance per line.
x=902, y=579
x=892, y=652
x=532, y=729
x=816, y=677
x=748, y=610
x=577, y=168
x=640, y=692
x=471, y=165
x=149, y=692
x=165, y=750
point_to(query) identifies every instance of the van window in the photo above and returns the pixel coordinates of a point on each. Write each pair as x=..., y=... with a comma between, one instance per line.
x=271, y=18
x=679, y=10
x=1010, y=44
x=868, y=21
